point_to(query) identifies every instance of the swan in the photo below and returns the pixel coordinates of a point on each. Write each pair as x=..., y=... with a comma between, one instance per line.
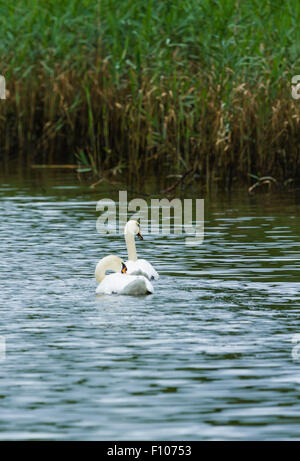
x=134, y=265
x=119, y=282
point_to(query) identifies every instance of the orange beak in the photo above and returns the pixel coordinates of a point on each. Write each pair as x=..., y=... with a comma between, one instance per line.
x=124, y=269
x=140, y=236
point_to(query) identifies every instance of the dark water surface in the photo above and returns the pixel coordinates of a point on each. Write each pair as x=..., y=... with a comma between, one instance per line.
x=210, y=355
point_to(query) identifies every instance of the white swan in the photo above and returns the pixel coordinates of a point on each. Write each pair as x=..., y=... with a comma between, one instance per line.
x=120, y=282
x=134, y=265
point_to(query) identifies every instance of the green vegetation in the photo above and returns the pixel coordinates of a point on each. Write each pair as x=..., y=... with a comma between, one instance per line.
x=152, y=85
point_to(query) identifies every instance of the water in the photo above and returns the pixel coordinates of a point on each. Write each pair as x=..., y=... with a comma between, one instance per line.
x=210, y=355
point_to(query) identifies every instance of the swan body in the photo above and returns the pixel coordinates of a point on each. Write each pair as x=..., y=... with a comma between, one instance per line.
x=134, y=265
x=119, y=282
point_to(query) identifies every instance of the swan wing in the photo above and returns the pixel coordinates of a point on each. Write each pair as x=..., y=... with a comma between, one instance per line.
x=142, y=267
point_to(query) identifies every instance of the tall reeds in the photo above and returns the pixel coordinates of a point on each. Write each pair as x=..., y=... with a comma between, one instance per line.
x=153, y=86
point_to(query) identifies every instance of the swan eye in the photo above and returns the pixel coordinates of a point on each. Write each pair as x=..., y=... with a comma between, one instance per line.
x=124, y=269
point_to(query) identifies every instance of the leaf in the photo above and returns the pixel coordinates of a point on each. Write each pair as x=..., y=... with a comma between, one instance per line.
x=83, y=170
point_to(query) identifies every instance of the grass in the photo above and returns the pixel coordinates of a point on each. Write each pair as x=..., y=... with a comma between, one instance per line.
x=153, y=86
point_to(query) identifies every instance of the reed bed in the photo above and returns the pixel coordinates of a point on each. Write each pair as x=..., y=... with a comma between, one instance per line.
x=152, y=86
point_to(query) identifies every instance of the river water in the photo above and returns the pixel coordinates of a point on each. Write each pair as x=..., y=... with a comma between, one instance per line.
x=212, y=354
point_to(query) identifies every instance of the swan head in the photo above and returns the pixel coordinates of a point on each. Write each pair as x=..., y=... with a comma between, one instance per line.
x=111, y=262
x=133, y=227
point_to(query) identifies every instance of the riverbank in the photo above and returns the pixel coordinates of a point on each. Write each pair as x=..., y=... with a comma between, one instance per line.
x=152, y=86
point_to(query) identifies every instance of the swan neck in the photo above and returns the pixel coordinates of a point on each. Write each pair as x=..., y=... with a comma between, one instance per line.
x=111, y=262
x=102, y=267
x=130, y=243
x=100, y=272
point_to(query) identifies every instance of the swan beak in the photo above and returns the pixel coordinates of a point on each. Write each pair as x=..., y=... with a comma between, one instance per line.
x=124, y=269
x=140, y=236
